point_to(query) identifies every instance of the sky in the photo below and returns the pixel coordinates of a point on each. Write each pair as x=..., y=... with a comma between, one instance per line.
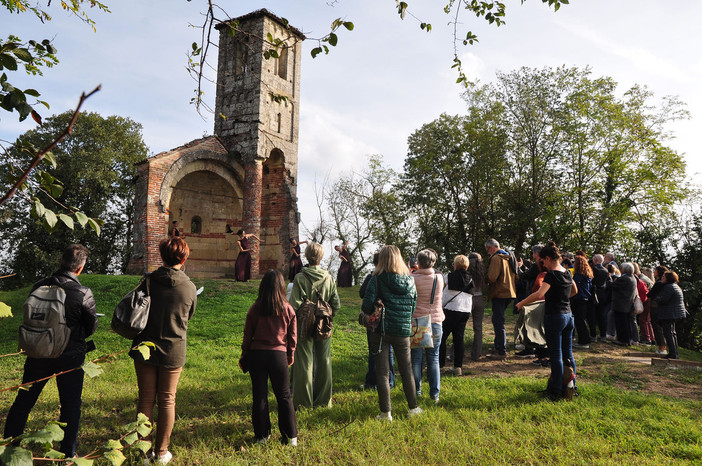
x=383, y=81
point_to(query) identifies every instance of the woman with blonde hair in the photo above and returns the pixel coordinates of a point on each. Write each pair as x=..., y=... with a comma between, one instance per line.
x=312, y=372
x=394, y=287
x=457, y=303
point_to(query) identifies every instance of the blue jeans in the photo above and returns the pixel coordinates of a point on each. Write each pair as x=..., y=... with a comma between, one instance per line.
x=433, y=370
x=498, y=323
x=559, y=338
x=70, y=389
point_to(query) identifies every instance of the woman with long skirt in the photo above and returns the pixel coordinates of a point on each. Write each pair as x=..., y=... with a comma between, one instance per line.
x=242, y=267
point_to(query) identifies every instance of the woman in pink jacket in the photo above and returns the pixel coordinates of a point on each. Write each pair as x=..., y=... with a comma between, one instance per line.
x=429, y=286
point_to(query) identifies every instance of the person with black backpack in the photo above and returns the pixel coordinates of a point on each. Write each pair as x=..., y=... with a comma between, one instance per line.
x=71, y=311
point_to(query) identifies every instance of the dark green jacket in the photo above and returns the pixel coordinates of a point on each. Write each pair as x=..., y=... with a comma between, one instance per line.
x=173, y=301
x=399, y=297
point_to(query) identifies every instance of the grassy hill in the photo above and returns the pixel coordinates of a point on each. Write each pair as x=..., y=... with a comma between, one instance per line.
x=627, y=413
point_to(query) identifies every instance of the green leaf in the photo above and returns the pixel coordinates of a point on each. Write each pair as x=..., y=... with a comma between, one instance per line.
x=91, y=369
x=142, y=445
x=316, y=51
x=333, y=39
x=5, y=310
x=82, y=462
x=52, y=433
x=31, y=92
x=23, y=54
x=49, y=157
x=82, y=218
x=131, y=438
x=94, y=225
x=37, y=210
x=16, y=456
x=115, y=457
x=273, y=53
x=113, y=445
x=56, y=190
x=53, y=454
x=348, y=25
x=6, y=61
x=141, y=417
x=68, y=221
x=144, y=350
x=50, y=218
x=143, y=429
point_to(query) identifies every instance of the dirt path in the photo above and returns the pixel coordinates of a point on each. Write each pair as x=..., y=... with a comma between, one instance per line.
x=603, y=362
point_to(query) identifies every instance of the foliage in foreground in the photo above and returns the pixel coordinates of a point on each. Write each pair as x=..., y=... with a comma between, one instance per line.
x=480, y=420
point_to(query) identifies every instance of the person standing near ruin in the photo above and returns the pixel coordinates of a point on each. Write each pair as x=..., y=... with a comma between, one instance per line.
x=242, y=267
x=268, y=347
x=173, y=302
x=502, y=290
x=312, y=371
x=295, y=259
x=344, y=277
x=82, y=320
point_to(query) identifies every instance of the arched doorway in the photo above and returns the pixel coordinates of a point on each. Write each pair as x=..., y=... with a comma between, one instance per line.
x=204, y=203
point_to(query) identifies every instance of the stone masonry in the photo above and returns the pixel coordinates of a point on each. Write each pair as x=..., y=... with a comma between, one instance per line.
x=242, y=177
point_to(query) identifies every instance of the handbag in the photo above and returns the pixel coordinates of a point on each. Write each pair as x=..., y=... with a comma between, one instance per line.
x=132, y=312
x=373, y=320
x=422, y=336
x=638, y=304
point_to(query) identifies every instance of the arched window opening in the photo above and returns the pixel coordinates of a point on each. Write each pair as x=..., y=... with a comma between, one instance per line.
x=196, y=225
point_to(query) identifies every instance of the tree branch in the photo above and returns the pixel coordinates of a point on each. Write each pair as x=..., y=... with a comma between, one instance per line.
x=40, y=155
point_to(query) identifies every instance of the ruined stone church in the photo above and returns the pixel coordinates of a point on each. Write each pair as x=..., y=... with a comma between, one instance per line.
x=243, y=177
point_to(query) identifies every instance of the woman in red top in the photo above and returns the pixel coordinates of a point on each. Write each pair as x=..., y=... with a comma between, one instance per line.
x=270, y=337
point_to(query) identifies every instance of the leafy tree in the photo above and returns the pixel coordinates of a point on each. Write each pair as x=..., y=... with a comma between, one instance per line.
x=32, y=55
x=548, y=154
x=97, y=166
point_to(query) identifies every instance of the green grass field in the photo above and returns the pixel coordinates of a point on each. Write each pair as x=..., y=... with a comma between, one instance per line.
x=499, y=419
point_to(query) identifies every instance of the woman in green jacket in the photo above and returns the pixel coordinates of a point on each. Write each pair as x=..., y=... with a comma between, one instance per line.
x=173, y=301
x=393, y=285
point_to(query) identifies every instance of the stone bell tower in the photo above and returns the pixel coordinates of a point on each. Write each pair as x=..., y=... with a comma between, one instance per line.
x=243, y=177
x=257, y=117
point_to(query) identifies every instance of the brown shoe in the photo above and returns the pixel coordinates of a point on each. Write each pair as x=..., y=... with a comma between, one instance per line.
x=458, y=371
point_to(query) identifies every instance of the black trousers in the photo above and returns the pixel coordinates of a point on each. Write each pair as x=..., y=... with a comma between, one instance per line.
x=580, y=308
x=455, y=323
x=273, y=364
x=671, y=337
x=70, y=389
x=622, y=321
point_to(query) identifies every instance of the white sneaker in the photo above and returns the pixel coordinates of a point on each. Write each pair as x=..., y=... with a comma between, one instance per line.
x=165, y=458
x=149, y=458
x=293, y=442
x=263, y=440
x=415, y=411
x=659, y=351
x=519, y=347
x=384, y=416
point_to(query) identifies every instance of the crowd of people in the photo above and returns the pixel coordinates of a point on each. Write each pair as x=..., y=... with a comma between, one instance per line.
x=409, y=309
